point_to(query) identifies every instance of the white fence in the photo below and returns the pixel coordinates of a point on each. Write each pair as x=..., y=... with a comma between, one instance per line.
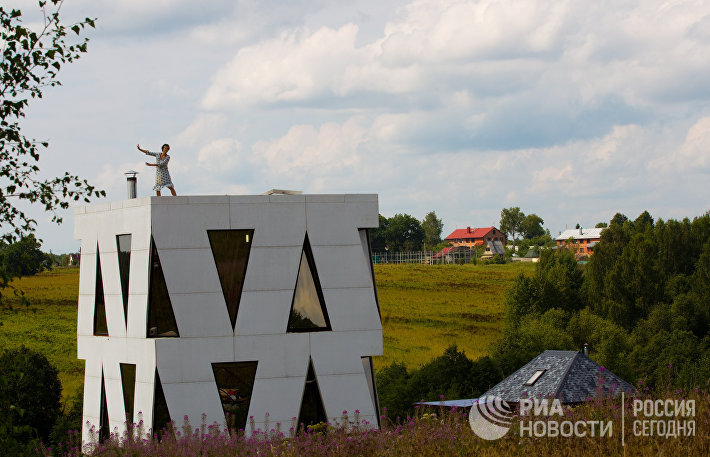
x=425, y=257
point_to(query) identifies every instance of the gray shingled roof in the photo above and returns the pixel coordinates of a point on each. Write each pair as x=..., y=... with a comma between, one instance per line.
x=569, y=375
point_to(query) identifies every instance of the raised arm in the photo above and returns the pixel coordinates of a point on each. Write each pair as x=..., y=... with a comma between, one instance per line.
x=144, y=151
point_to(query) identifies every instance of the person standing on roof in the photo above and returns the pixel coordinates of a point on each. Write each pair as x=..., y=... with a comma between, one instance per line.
x=162, y=175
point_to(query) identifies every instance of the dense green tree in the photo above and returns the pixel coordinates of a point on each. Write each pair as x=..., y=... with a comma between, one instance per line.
x=30, y=394
x=404, y=233
x=618, y=219
x=531, y=226
x=400, y=232
x=451, y=375
x=393, y=391
x=448, y=375
x=510, y=221
x=378, y=237
x=533, y=334
x=601, y=225
x=23, y=257
x=432, y=227
x=556, y=283
x=31, y=60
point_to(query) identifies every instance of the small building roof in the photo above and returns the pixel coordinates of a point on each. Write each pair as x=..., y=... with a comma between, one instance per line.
x=568, y=375
x=469, y=232
x=580, y=233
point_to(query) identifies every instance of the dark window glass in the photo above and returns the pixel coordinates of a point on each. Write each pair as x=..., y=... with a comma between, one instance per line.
x=368, y=254
x=161, y=319
x=312, y=410
x=100, y=325
x=230, y=249
x=308, y=312
x=123, y=243
x=235, y=381
x=128, y=379
x=161, y=415
x=104, y=428
x=370, y=375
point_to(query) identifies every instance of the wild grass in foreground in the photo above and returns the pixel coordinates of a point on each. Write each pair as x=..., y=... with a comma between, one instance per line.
x=427, y=308
x=433, y=432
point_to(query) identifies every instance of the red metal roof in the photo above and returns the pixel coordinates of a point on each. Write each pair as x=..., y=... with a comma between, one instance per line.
x=469, y=232
x=444, y=251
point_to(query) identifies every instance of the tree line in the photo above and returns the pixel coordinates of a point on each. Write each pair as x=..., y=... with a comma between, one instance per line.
x=403, y=232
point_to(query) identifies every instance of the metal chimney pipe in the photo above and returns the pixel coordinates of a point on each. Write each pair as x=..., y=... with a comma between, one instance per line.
x=586, y=349
x=132, y=182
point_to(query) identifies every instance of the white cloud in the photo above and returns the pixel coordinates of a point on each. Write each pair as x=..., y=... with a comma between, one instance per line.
x=693, y=154
x=308, y=152
x=219, y=155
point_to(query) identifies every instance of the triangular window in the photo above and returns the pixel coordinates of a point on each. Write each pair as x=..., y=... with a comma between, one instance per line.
x=230, y=249
x=104, y=428
x=100, y=325
x=128, y=380
x=312, y=411
x=161, y=319
x=123, y=243
x=235, y=382
x=161, y=415
x=308, y=311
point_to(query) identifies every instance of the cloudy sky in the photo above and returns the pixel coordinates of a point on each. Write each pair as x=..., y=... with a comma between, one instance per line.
x=571, y=110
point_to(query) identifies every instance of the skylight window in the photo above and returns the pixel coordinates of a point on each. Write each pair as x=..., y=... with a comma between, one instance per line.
x=533, y=379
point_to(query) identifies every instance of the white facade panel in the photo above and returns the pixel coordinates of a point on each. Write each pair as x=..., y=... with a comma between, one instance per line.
x=206, y=314
x=279, y=355
x=333, y=224
x=340, y=352
x=193, y=399
x=114, y=315
x=276, y=224
x=272, y=268
x=279, y=397
x=352, y=309
x=264, y=312
x=87, y=274
x=189, y=270
x=342, y=266
x=345, y=392
x=186, y=228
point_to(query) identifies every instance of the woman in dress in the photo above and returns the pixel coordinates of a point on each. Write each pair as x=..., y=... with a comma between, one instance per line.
x=162, y=176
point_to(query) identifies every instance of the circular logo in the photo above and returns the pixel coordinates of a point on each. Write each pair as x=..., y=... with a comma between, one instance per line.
x=490, y=418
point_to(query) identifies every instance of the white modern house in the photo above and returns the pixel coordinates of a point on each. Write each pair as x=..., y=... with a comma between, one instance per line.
x=260, y=306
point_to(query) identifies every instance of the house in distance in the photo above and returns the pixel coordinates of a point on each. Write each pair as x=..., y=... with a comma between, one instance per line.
x=493, y=239
x=580, y=240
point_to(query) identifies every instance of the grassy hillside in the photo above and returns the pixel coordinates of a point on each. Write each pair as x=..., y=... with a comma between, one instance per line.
x=425, y=308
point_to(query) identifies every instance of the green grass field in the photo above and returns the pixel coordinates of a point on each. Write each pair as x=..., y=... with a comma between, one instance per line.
x=425, y=308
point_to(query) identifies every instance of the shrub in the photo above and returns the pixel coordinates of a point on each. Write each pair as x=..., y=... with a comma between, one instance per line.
x=30, y=393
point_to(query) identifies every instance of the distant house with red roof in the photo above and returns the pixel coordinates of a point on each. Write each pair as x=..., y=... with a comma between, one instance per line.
x=471, y=237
